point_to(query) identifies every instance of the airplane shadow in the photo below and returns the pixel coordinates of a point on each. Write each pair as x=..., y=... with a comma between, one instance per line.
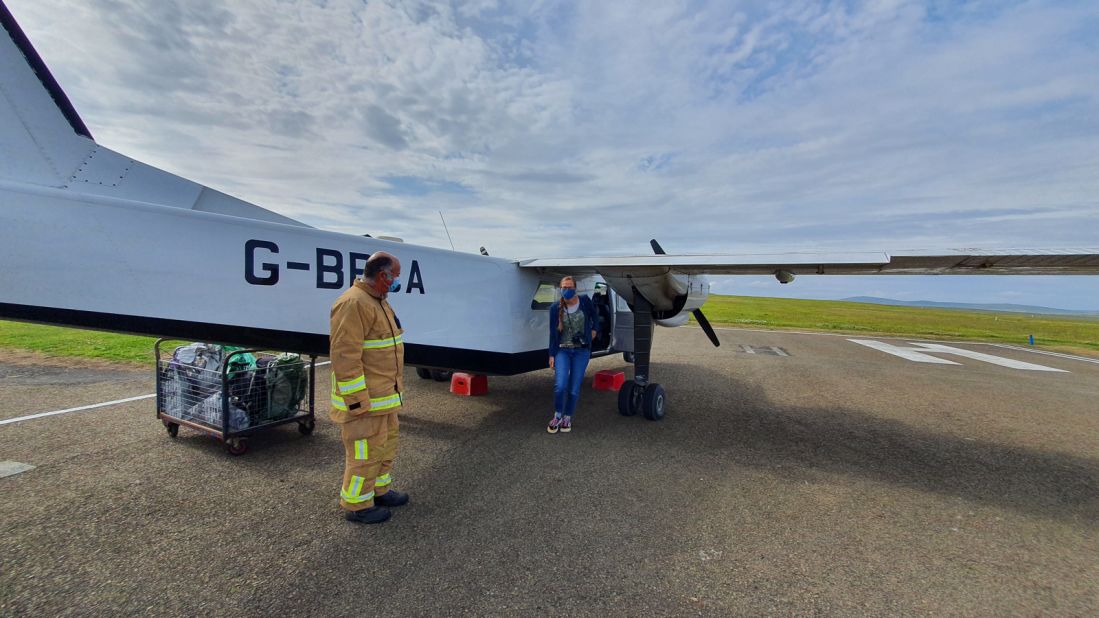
x=499, y=487
x=735, y=424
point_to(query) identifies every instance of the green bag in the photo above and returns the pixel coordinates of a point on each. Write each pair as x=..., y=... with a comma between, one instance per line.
x=240, y=362
x=286, y=384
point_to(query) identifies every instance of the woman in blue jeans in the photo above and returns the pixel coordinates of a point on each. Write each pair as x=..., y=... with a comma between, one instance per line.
x=573, y=326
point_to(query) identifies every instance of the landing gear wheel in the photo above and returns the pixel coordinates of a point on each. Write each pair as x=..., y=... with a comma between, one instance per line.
x=237, y=447
x=173, y=429
x=628, y=357
x=440, y=375
x=307, y=427
x=425, y=374
x=652, y=402
x=626, y=400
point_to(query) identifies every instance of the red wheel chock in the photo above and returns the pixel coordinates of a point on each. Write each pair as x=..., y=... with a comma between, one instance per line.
x=468, y=385
x=607, y=380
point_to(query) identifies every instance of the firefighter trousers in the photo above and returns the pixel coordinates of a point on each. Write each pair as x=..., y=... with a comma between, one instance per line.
x=369, y=444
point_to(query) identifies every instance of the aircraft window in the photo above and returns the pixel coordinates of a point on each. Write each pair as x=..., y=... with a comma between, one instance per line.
x=544, y=297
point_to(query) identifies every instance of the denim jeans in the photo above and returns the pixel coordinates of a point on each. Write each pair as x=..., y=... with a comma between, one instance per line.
x=568, y=367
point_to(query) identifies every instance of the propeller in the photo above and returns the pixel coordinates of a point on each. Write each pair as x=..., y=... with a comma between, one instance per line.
x=697, y=313
x=706, y=328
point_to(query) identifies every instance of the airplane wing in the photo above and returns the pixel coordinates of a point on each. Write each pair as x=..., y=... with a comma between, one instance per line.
x=1083, y=261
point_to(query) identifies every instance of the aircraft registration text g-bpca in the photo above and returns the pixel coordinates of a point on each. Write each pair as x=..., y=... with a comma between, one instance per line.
x=330, y=265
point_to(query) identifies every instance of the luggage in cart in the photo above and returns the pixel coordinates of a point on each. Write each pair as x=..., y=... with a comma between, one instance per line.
x=231, y=393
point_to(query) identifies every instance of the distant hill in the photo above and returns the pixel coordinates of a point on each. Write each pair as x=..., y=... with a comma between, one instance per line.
x=1005, y=307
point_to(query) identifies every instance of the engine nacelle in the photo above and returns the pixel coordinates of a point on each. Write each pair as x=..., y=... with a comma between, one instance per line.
x=673, y=296
x=677, y=320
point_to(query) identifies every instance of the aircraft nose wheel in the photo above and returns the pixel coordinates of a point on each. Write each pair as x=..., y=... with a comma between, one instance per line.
x=652, y=402
x=648, y=400
x=627, y=403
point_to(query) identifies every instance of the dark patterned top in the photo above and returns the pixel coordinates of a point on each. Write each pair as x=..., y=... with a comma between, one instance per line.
x=573, y=328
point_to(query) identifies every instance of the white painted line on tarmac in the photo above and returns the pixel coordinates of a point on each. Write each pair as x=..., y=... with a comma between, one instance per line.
x=19, y=419
x=94, y=406
x=780, y=331
x=911, y=354
x=987, y=358
x=11, y=468
x=779, y=351
x=1045, y=352
x=921, y=354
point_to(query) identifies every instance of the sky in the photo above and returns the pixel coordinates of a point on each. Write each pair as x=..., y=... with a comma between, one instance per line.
x=551, y=129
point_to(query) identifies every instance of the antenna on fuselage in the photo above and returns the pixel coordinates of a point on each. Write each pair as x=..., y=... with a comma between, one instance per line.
x=447, y=230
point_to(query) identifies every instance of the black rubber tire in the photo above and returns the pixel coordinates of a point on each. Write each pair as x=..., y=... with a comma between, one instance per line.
x=628, y=357
x=173, y=429
x=441, y=376
x=425, y=374
x=306, y=427
x=653, y=402
x=625, y=400
x=237, y=448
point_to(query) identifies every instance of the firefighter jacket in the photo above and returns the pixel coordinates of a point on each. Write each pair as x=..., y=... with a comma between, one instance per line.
x=367, y=355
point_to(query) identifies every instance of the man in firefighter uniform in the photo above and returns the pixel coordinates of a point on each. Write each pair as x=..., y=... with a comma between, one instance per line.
x=367, y=381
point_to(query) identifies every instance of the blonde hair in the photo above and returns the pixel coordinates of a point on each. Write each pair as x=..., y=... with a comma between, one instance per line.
x=561, y=305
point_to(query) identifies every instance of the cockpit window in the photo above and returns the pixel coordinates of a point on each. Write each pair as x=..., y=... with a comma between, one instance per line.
x=544, y=296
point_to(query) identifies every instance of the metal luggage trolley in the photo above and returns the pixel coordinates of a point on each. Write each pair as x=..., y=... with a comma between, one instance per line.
x=231, y=393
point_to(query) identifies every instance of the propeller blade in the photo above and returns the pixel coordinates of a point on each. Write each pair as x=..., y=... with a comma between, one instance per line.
x=657, y=249
x=705, y=324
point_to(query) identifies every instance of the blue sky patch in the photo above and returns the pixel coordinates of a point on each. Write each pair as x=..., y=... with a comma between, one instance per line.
x=414, y=186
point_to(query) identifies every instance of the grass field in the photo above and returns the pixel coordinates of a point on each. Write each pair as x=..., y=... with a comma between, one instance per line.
x=1050, y=332
x=76, y=343
x=1056, y=333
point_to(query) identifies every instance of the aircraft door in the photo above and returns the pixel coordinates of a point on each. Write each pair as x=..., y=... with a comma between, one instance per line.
x=603, y=299
x=623, y=325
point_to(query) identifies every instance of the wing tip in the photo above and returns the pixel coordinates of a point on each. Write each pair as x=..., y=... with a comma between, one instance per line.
x=30, y=54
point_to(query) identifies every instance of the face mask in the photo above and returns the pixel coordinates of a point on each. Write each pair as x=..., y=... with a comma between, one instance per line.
x=396, y=285
x=568, y=293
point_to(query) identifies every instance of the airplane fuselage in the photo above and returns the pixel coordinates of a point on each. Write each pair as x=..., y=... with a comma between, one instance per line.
x=136, y=267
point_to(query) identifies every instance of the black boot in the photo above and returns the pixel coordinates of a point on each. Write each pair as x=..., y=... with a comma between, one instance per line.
x=391, y=498
x=372, y=515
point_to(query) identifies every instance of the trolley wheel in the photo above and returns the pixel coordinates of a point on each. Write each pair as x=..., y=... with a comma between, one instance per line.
x=440, y=375
x=628, y=357
x=307, y=427
x=173, y=428
x=425, y=374
x=237, y=446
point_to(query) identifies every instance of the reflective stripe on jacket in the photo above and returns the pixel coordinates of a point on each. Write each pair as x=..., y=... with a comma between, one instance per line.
x=367, y=352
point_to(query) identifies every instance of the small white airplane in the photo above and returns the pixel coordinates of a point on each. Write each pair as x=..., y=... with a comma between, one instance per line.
x=92, y=238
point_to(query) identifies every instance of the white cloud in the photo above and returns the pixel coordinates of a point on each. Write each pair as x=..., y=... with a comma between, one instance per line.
x=556, y=127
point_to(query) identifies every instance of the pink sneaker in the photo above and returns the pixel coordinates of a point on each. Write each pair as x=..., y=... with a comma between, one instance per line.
x=554, y=424
x=566, y=424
